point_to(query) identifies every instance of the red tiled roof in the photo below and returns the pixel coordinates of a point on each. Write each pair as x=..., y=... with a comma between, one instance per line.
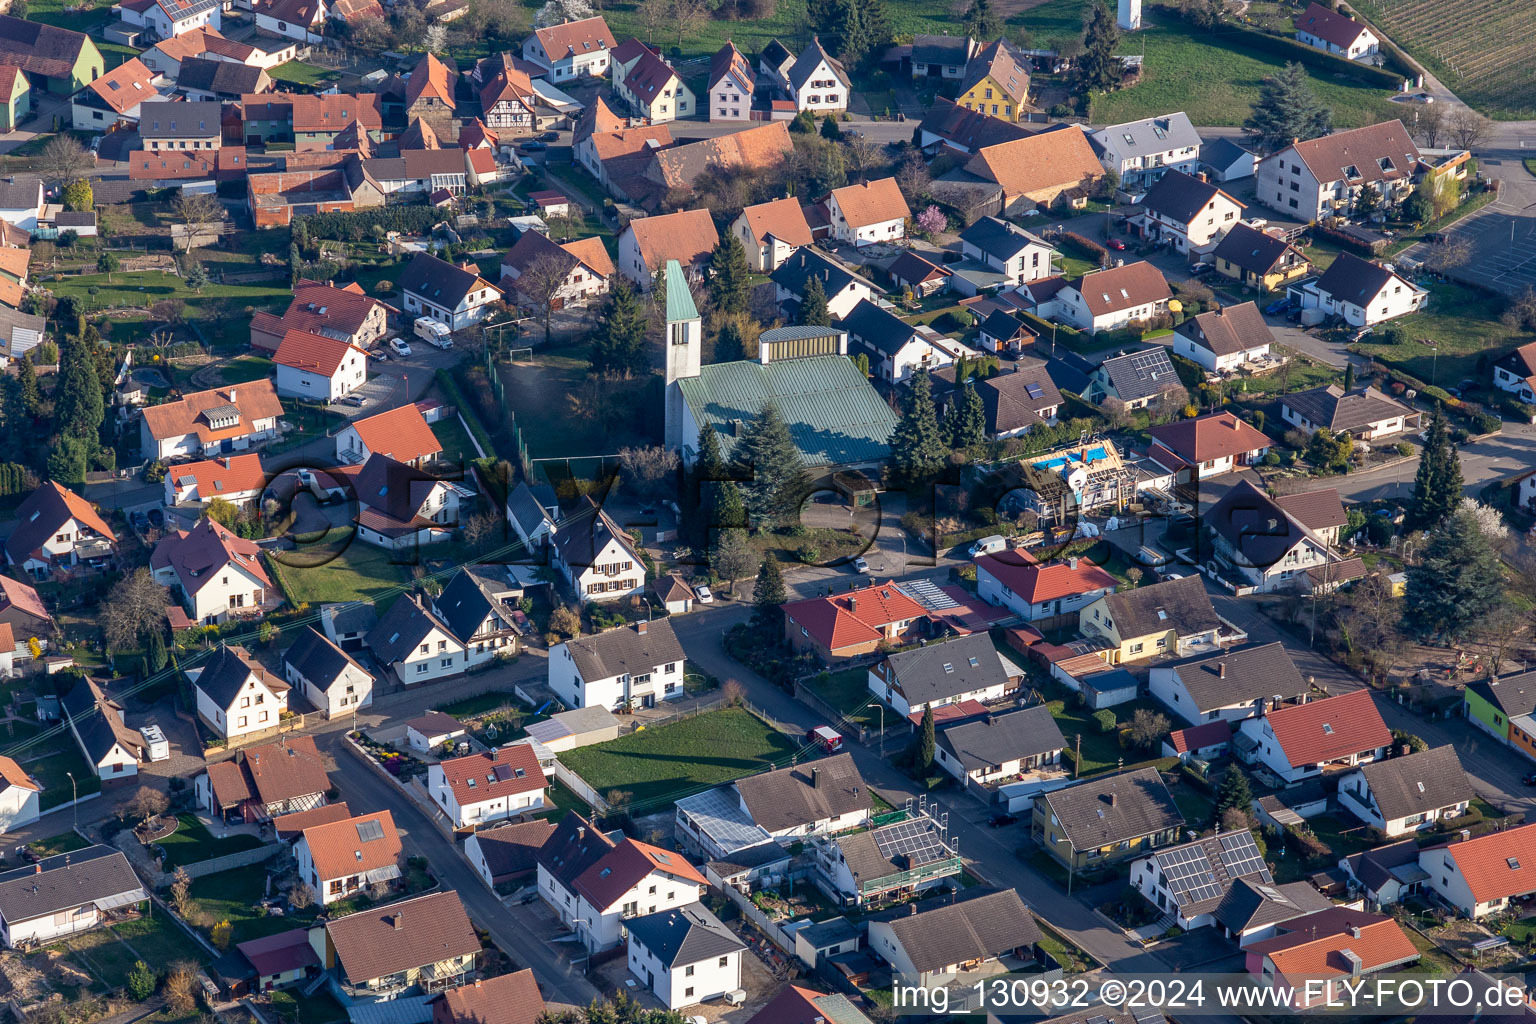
x=944, y=714
x=480, y=777
x=287, y=826
x=11, y=772
x=431, y=78
x=1485, y=863
x=588, y=35
x=318, y=305
x=125, y=86
x=593, y=255
x=197, y=555
x=1331, y=728
x=256, y=400
x=1197, y=737
x=335, y=112
x=314, y=353
x=1205, y=438
x=231, y=474
x=14, y=593
x=687, y=236
x=1314, y=945
x=1037, y=583
x=509, y=999
x=873, y=202
x=9, y=75
x=850, y=619
x=784, y=219
x=339, y=850
x=1329, y=26
x=402, y=434
x=625, y=866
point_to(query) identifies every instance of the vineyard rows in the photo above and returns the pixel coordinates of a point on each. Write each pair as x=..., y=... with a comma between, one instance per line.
x=1482, y=51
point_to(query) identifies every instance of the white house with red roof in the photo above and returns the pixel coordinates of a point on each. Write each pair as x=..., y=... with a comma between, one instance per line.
x=20, y=796
x=1315, y=955
x=344, y=313
x=492, y=786
x=1207, y=446
x=1304, y=741
x=848, y=625
x=318, y=368
x=215, y=574
x=1482, y=876
x=338, y=859
x=1035, y=590
x=235, y=478
x=572, y=49
x=57, y=529
x=167, y=19
x=631, y=879
x=874, y=211
x=402, y=434
x=1335, y=33
x=213, y=422
x=1516, y=373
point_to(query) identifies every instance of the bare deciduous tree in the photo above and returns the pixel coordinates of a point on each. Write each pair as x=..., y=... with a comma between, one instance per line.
x=197, y=212
x=300, y=896
x=181, y=891
x=863, y=155
x=63, y=159
x=648, y=470
x=146, y=804
x=540, y=283
x=135, y=604
x=181, y=987
x=688, y=14
x=1430, y=124
x=653, y=14
x=480, y=527
x=1447, y=252
x=1468, y=129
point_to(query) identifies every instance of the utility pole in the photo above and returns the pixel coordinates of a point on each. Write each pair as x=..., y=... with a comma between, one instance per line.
x=1077, y=765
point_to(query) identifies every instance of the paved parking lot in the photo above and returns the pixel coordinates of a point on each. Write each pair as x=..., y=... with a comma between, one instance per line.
x=378, y=393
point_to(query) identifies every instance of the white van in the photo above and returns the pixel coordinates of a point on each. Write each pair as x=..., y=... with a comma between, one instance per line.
x=433, y=332
x=988, y=545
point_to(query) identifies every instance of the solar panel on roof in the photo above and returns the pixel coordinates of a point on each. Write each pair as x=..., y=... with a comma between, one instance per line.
x=369, y=830
x=1033, y=390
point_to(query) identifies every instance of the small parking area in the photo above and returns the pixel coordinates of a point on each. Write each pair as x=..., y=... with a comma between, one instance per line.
x=376, y=395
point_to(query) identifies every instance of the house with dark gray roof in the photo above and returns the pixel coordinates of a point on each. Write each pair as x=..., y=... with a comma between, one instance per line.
x=843, y=286
x=1224, y=160
x=951, y=126
x=326, y=676
x=931, y=944
x=634, y=665
x=821, y=796
x=907, y=857
x=1188, y=212
x=1388, y=873
x=1008, y=249
x=1172, y=618
x=816, y=80
x=1017, y=402
x=1361, y=292
x=896, y=349
x=532, y=512
x=684, y=955
x=1137, y=378
x=1259, y=258
x=478, y=612
x=452, y=295
x=1223, y=339
x=204, y=79
x=1189, y=881
x=1257, y=542
x=1142, y=151
x=597, y=557
x=965, y=668
x=941, y=56
x=1364, y=413
x=1106, y=820
x=236, y=695
x=1252, y=911
x=1230, y=685
x=67, y=894
x=1000, y=747
x=346, y=623
x=413, y=643
x=1409, y=793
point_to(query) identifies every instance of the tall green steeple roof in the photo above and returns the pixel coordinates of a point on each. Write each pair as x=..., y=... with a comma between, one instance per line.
x=679, y=299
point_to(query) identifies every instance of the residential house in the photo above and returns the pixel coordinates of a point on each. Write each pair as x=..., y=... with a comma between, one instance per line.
x=633, y=665
x=166, y=19
x=843, y=286
x=301, y=20
x=941, y=56
x=15, y=97
x=1484, y=875
x=21, y=199
x=429, y=97
x=620, y=157
x=1106, y=820
x=425, y=944
x=58, y=531
x=597, y=557
x=732, y=83
x=340, y=859
x=1386, y=874
x=23, y=611
x=647, y=243
x=1360, y=292
x=1106, y=300
x=1000, y=747
x=275, y=962
x=1035, y=172
x=55, y=59
x=853, y=624
x=20, y=332
x=597, y=887
x=1505, y=708
x=501, y=783
x=654, y=89
x=903, y=859
x=111, y=748
x=65, y=895
x=1015, y=403
x=1141, y=152
x=1323, y=177
x=434, y=731
x=1409, y=793
x=1332, y=32
x=1320, y=511
x=1516, y=373
x=166, y=56
x=817, y=797
x=1303, y=740
x=965, y=668
x=115, y=99
x=400, y=507
x=328, y=677
x=1174, y=617
x=1040, y=592
x=684, y=955
x=456, y=296
x=1257, y=258
x=817, y=82
x=1256, y=543
x=238, y=479
x=1224, y=160
x=772, y=231
x=477, y=607
x=1251, y=911
x=586, y=265
x=508, y=105
x=402, y=435
x=236, y=697
x=185, y=125
x=933, y=944
x=509, y=999
x=219, y=421
x=206, y=79
x=1365, y=413
x=318, y=368
x=344, y=313
x=1188, y=882
x=414, y=643
x=950, y=126
x=264, y=782
x=874, y=211
x=572, y=49
x=1223, y=340
x=532, y=512
x=215, y=574
x=20, y=796
x=1188, y=212
x=995, y=83
x=895, y=348
x=1137, y=379
x=917, y=274
x=507, y=855
x=1207, y=446
x=673, y=171
x=1315, y=956
x=1230, y=685
x=1019, y=255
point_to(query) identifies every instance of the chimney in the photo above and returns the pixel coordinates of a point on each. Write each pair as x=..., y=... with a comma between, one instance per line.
x=1113, y=799
x=37, y=869
x=477, y=983
x=911, y=909
x=399, y=920
x=640, y=627
x=1354, y=931
x=853, y=603
x=581, y=832
x=1200, y=176
x=1072, y=562
x=815, y=778
x=1221, y=670
x=233, y=397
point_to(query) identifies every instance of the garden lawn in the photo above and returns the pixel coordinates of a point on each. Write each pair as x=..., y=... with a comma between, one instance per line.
x=159, y=940
x=192, y=842
x=54, y=12
x=103, y=956
x=67, y=842
x=244, y=369
x=558, y=799
x=320, y=1008
x=298, y=73
x=660, y=764
x=1101, y=751
x=478, y=705
x=1464, y=324
x=848, y=691
x=457, y=447
x=146, y=287
x=362, y=572
x=51, y=763
x=1215, y=83
x=232, y=896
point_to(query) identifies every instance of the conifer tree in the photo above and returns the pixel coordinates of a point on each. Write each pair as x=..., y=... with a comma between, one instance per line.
x=618, y=345
x=78, y=406
x=1287, y=110
x=767, y=453
x=927, y=743
x=813, y=305
x=966, y=423
x=1437, y=484
x=1458, y=582
x=981, y=21
x=729, y=276
x=769, y=592
x=1098, y=70
x=728, y=344
x=30, y=395
x=1234, y=792
x=917, y=448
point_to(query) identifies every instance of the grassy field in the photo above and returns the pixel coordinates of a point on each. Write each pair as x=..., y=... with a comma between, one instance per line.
x=298, y=73
x=192, y=842
x=359, y=573
x=1463, y=324
x=1216, y=84
x=1101, y=750
x=146, y=287
x=232, y=896
x=542, y=393
x=52, y=12
x=848, y=691
x=243, y=369
x=159, y=940
x=457, y=446
x=1481, y=52
x=670, y=761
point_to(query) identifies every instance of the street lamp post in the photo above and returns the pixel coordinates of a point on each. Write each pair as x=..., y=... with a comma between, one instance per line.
x=74, y=794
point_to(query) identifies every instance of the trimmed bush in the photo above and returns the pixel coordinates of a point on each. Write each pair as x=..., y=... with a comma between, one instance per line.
x=1088, y=245
x=1106, y=719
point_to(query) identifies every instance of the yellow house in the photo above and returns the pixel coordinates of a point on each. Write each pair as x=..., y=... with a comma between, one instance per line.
x=1258, y=259
x=1172, y=618
x=995, y=84
x=1106, y=821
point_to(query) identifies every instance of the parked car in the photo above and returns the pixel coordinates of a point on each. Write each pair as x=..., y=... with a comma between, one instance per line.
x=1197, y=269
x=156, y=517
x=399, y=346
x=860, y=565
x=356, y=401
x=1278, y=306
x=139, y=520
x=1115, y=244
x=988, y=545
x=704, y=594
x=999, y=820
x=533, y=146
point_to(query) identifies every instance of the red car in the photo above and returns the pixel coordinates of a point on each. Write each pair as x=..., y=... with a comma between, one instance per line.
x=1116, y=244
